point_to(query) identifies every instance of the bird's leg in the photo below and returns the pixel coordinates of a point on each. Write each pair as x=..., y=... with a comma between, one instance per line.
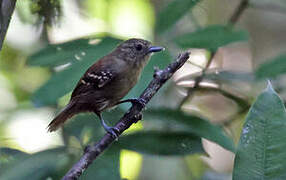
x=139, y=101
x=111, y=130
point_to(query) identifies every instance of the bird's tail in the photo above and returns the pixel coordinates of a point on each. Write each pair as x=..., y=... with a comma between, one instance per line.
x=64, y=115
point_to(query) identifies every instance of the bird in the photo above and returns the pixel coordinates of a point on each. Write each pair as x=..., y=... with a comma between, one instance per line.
x=107, y=81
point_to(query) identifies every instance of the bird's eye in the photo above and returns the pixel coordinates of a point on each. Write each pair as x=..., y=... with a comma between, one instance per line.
x=138, y=47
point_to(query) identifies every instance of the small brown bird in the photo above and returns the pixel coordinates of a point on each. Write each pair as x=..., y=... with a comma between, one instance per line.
x=107, y=81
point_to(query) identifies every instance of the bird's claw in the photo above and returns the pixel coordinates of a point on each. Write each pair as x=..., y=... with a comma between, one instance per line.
x=157, y=72
x=138, y=117
x=86, y=149
x=140, y=101
x=113, y=131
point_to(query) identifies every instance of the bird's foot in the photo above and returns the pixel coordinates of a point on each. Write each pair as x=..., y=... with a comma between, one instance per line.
x=113, y=131
x=139, y=101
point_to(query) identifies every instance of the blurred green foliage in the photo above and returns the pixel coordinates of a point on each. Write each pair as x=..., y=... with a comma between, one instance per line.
x=193, y=124
x=211, y=37
x=49, y=163
x=46, y=76
x=172, y=13
x=107, y=166
x=277, y=65
x=169, y=143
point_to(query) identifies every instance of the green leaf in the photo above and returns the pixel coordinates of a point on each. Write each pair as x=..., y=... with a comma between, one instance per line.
x=106, y=166
x=261, y=151
x=162, y=143
x=64, y=81
x=272, y=68
x=4, y=151
x=211, y=37
x=37, y=166
x=193, y=124
x=8, y=154
x=172, y=13
x=221, y=76
x=59, y=54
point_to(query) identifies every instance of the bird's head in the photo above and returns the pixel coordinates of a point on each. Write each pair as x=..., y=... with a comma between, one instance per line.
x=136, y=51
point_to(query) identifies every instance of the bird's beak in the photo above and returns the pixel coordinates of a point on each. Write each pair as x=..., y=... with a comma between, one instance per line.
x=155, y=49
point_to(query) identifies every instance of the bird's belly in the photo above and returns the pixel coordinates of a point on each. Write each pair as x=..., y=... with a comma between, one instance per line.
x=119, y=89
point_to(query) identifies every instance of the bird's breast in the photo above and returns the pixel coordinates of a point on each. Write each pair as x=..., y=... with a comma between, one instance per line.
x=122, y=84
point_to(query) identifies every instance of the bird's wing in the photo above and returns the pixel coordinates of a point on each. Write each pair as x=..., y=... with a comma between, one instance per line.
x=94, y=78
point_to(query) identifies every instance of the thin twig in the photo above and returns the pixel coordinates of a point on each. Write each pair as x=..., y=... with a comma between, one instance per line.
x=233, y=20
x=91, y=153
x=238, y=11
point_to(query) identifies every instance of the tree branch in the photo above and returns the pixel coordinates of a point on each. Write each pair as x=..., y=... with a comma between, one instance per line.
x=238, y=12
x=91, y=153
x=6, y=10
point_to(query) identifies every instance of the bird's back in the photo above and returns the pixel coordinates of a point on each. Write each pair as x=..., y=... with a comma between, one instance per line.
x=102, y=86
